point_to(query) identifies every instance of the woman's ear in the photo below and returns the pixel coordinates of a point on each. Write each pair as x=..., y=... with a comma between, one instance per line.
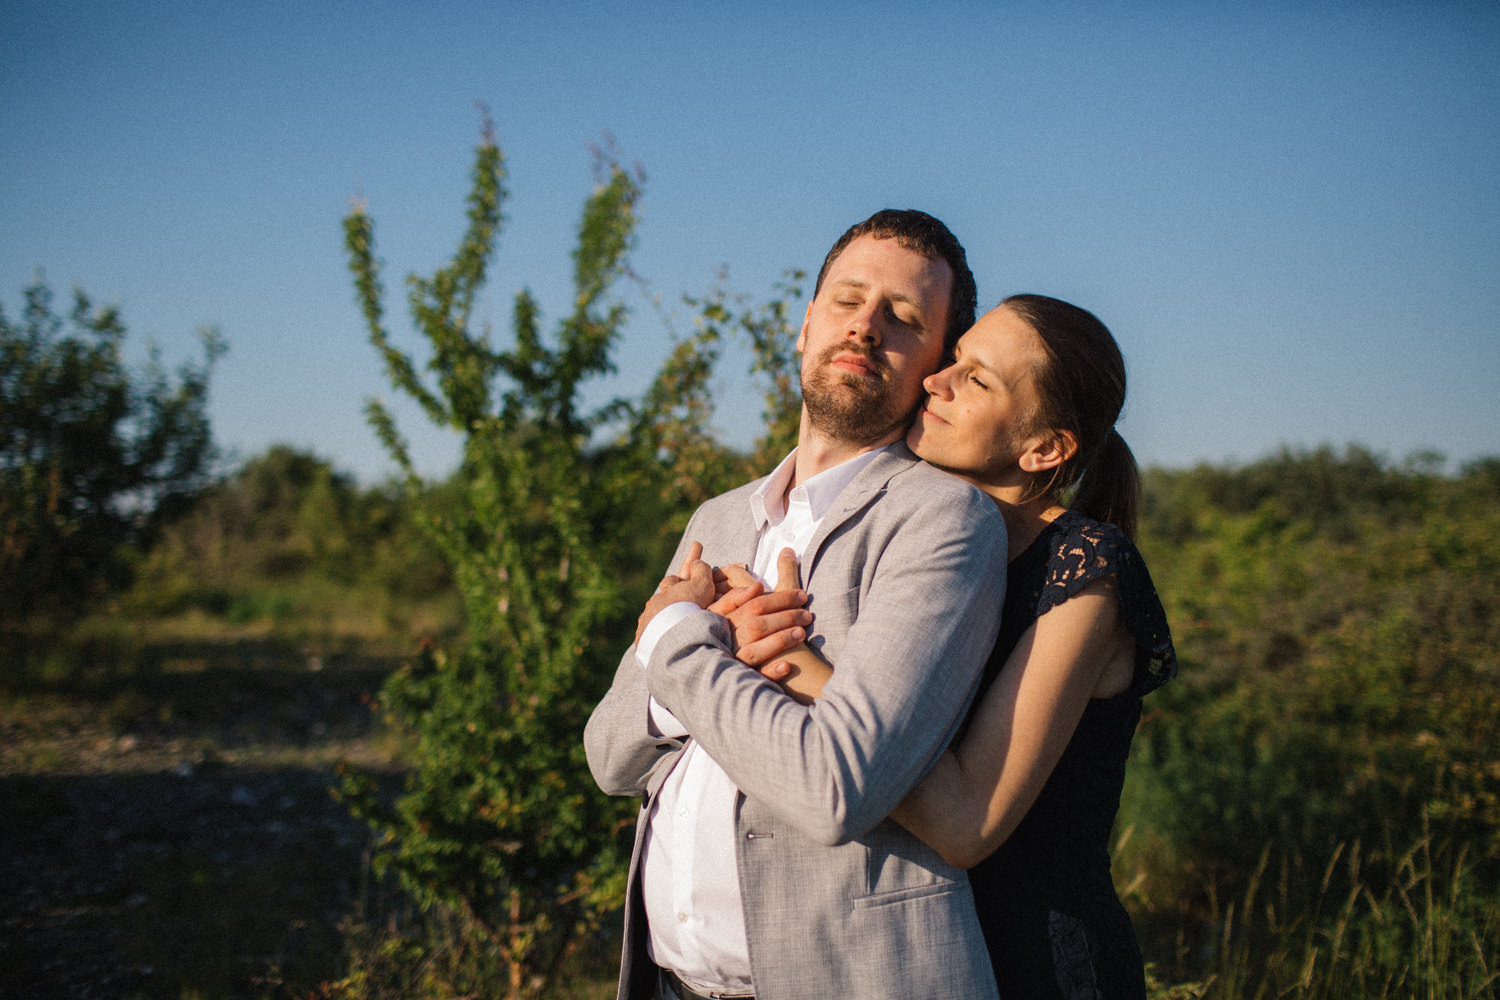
x=1049, y=452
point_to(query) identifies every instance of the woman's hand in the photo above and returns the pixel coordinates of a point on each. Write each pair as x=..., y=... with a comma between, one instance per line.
x=695, y=584
x=765, y=624
x=770, y=632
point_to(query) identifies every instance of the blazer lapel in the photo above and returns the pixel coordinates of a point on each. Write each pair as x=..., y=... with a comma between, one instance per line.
x=859, y=494
x=743, y=536
x=728, y=533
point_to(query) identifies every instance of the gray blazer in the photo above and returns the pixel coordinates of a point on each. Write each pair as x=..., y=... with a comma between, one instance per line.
x=907, y=574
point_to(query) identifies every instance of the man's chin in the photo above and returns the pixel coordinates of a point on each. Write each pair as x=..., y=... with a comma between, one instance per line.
x=854, y=427
x=860, y=424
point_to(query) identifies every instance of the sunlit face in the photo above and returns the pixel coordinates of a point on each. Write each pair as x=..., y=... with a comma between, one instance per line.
x=871, y=334
x=977, y=421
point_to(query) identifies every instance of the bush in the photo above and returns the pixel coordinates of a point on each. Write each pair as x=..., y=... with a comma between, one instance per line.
x=1338, y=691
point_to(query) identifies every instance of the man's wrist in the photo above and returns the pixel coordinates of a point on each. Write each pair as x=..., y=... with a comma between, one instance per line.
x=661, y=722
x=658, y=627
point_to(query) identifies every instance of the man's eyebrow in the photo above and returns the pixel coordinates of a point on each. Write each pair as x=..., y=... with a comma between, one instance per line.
x=918, y=319
x=858, y=285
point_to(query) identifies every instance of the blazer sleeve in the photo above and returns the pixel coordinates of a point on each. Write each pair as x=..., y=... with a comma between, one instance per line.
x=926, y=621
x=622, y=752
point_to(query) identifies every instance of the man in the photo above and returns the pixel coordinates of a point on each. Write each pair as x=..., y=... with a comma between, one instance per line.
x=764, y=865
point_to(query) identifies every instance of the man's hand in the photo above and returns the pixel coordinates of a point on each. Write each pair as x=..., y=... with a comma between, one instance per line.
x=695, y=584
x=765, y=624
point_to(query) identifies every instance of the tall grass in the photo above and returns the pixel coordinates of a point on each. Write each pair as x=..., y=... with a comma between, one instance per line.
x=1421, y=926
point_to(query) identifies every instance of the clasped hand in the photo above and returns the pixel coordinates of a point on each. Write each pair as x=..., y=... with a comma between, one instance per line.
x=766, y=623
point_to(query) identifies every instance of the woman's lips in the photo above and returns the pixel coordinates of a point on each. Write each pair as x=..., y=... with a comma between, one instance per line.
x=926, y=414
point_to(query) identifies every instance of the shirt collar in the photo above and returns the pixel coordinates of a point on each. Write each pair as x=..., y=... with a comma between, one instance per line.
x=768, y=504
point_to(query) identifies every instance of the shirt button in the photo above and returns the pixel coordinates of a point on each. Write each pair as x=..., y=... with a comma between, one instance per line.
x=682, y=918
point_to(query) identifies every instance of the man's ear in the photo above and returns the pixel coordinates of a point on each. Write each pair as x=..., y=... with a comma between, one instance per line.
x=802, y=336
x=1050, y=451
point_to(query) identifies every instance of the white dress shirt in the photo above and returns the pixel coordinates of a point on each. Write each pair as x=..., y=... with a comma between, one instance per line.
x=688, y=873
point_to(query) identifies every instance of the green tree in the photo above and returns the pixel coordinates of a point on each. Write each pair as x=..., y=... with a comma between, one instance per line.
x=94, y=453
x=567, y=514
x=771, y=331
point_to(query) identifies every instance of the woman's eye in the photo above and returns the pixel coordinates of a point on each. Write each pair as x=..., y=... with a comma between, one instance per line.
x=975, y=380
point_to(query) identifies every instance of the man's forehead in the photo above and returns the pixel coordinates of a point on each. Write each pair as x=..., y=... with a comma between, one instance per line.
x=847, y=268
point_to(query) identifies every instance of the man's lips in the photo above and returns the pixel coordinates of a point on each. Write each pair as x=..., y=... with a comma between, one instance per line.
x=856, y=363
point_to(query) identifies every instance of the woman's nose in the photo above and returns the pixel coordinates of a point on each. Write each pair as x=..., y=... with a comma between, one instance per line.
x=937, y=383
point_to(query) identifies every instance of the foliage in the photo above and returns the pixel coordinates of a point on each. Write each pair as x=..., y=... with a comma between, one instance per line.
x=1336, y=624
x=770, y=330
x=94, y=453
x=286, y=538
x=500, y=822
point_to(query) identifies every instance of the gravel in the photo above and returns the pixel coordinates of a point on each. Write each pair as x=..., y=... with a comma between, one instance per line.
x=176, y=834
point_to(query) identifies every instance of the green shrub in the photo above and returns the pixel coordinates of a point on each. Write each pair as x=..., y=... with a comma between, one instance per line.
x=1336, y=622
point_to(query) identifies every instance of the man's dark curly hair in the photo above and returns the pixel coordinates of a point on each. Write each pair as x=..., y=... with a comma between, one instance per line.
x=919, y=233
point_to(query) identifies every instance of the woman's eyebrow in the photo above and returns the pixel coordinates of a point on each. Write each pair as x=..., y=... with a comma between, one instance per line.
x=979, y=361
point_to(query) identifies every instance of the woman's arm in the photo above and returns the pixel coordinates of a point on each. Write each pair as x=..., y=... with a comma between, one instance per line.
x=801, y=672
x=978, y=792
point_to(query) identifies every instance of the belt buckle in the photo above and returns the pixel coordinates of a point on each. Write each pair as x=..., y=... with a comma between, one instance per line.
x=686, y=992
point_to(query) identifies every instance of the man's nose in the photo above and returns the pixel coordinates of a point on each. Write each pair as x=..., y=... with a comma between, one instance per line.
x=864, y=326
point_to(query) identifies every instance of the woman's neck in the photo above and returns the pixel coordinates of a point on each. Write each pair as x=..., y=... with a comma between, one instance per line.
x=1024, y=518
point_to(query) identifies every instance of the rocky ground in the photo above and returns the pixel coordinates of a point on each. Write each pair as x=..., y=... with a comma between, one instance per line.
x=172, y=833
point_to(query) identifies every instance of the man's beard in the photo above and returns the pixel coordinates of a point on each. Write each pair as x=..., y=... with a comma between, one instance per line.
x=852, y=408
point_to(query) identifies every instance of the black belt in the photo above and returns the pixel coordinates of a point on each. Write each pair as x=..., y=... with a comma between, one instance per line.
x=686, y=992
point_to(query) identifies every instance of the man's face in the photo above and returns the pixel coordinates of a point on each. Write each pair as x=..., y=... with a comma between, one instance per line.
x=872, y=333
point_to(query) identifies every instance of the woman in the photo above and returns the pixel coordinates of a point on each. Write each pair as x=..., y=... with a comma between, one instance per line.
x=1028, y=795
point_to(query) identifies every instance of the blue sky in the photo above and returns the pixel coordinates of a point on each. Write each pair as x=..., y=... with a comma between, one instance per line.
x=1288, y=213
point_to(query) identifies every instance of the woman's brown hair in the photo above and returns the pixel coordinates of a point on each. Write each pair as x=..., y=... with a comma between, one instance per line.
x=1081, y=390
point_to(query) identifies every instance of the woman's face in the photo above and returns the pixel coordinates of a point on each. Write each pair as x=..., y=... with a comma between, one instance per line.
x=977, y=420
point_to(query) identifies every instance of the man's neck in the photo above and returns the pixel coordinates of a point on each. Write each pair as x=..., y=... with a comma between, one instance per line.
x=816, y=452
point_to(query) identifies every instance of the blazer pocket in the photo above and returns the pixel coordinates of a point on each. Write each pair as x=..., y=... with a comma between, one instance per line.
x=896, y=896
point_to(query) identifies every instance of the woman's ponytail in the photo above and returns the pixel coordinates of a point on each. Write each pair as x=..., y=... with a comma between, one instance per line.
x=1110, y=487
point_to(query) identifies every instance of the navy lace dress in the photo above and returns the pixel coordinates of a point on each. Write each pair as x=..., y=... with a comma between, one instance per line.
x=1054, y=926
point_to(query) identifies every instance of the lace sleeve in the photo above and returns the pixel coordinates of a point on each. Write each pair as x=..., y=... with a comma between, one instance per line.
x=1092, y=550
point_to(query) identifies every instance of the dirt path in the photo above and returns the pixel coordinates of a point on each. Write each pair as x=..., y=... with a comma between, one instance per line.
x=174, y=834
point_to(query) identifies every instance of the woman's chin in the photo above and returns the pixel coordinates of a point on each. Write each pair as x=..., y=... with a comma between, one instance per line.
x=925, y=447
